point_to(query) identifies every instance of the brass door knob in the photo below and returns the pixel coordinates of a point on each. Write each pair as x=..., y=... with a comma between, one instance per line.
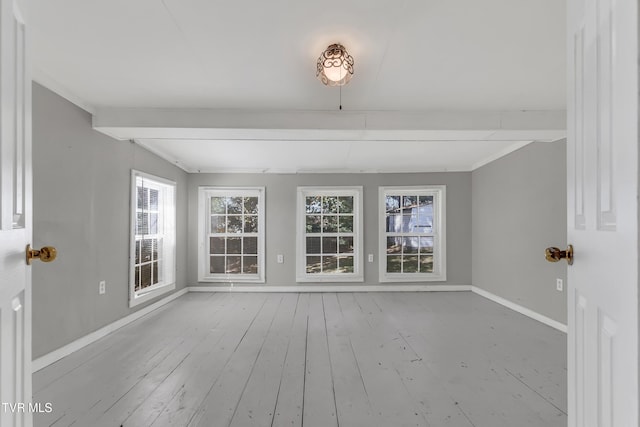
x=553, y=254
x=46, y=254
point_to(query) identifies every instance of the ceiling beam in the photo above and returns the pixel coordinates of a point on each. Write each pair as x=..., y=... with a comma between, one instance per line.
x=128, y=123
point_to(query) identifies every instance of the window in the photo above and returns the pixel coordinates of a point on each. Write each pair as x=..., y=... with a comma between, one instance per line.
x=329, y=234
x=231, y=234
x=412, y=240
x=153, y=237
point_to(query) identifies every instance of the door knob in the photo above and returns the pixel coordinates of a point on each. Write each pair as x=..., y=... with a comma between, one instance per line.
x=46, y=254
x=553, y=254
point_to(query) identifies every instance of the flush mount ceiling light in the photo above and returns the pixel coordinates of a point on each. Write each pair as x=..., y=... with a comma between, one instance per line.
x=335, y=66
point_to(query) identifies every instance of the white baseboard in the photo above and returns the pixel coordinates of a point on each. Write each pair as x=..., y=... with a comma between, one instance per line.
x=520, y=309
x=76, y=345
x=333, y=288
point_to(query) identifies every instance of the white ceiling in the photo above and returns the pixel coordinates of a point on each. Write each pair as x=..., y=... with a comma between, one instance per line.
x=255, y=55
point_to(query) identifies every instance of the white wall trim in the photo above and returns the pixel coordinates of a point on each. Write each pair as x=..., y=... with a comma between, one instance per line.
x=76, y=345
x=520, y=309
x=334, y=288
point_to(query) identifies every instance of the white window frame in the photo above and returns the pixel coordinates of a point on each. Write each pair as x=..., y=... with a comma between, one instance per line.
x=166, y=222
x=204, y=225
x=301, y=270
x=439, y=232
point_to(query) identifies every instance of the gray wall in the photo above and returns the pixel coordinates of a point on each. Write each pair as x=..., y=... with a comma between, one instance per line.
x=81, y=188
x=281, y=192
x=519, y=209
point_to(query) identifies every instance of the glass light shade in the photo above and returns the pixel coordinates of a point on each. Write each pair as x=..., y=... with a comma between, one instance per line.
x=335, y=66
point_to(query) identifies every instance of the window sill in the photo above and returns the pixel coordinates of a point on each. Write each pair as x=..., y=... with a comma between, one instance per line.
x=227, y=279
x=413, y=278
x=143, y=296
x=317, y=278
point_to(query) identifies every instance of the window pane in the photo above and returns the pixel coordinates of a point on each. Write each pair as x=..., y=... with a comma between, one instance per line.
x=147, y=248
x=346, y=224
x=394, y=245
x=153, y=223
x=251, y=224
x=409, y=201
x=234, y=205
x=426, y=245
x=138, y=259
x=329, y=204
x=406, y=225
x=145, y=276
x=410, y=245
x=345, y=264
x=313, y=264
x=330, y=224
x=313, y=223
x=313, y=204
x=426, y=263
x=346, y=245
x=216, y=245
x=410, y=264
x=142, y=223
x=425, y=200
x=234, y=264
x=313, y=245
x=218, y=205
x=345, y=204
x=217, y=264
x=218, y=224
x=145, y=197
x=250, y=265
x=250, y=245
x=395, y=223
x=234, y=224
x=251, y=205
x=153, y=199
x=394, y=263
x=139, y=191
x=424, y=220
x=329, y=245
x=234, y=245
x=329, y=264
x=392, y=204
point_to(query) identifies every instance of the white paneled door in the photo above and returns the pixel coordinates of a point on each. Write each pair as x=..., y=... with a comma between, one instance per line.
x=602, y=155
x=15, y=219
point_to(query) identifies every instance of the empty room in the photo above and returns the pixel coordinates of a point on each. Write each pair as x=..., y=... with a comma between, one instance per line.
x=280, y=213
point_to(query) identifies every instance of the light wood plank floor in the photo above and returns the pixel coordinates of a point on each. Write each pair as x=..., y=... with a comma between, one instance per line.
x=315, y=360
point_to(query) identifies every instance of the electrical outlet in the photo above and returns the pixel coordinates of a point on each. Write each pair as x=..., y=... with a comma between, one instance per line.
x=280, y=259
x=559, y=284
x=103, y=287
x=370, y=257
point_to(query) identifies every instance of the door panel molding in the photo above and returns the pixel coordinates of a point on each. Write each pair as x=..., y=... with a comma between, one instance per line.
x=578, y=154
x=604, y=81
